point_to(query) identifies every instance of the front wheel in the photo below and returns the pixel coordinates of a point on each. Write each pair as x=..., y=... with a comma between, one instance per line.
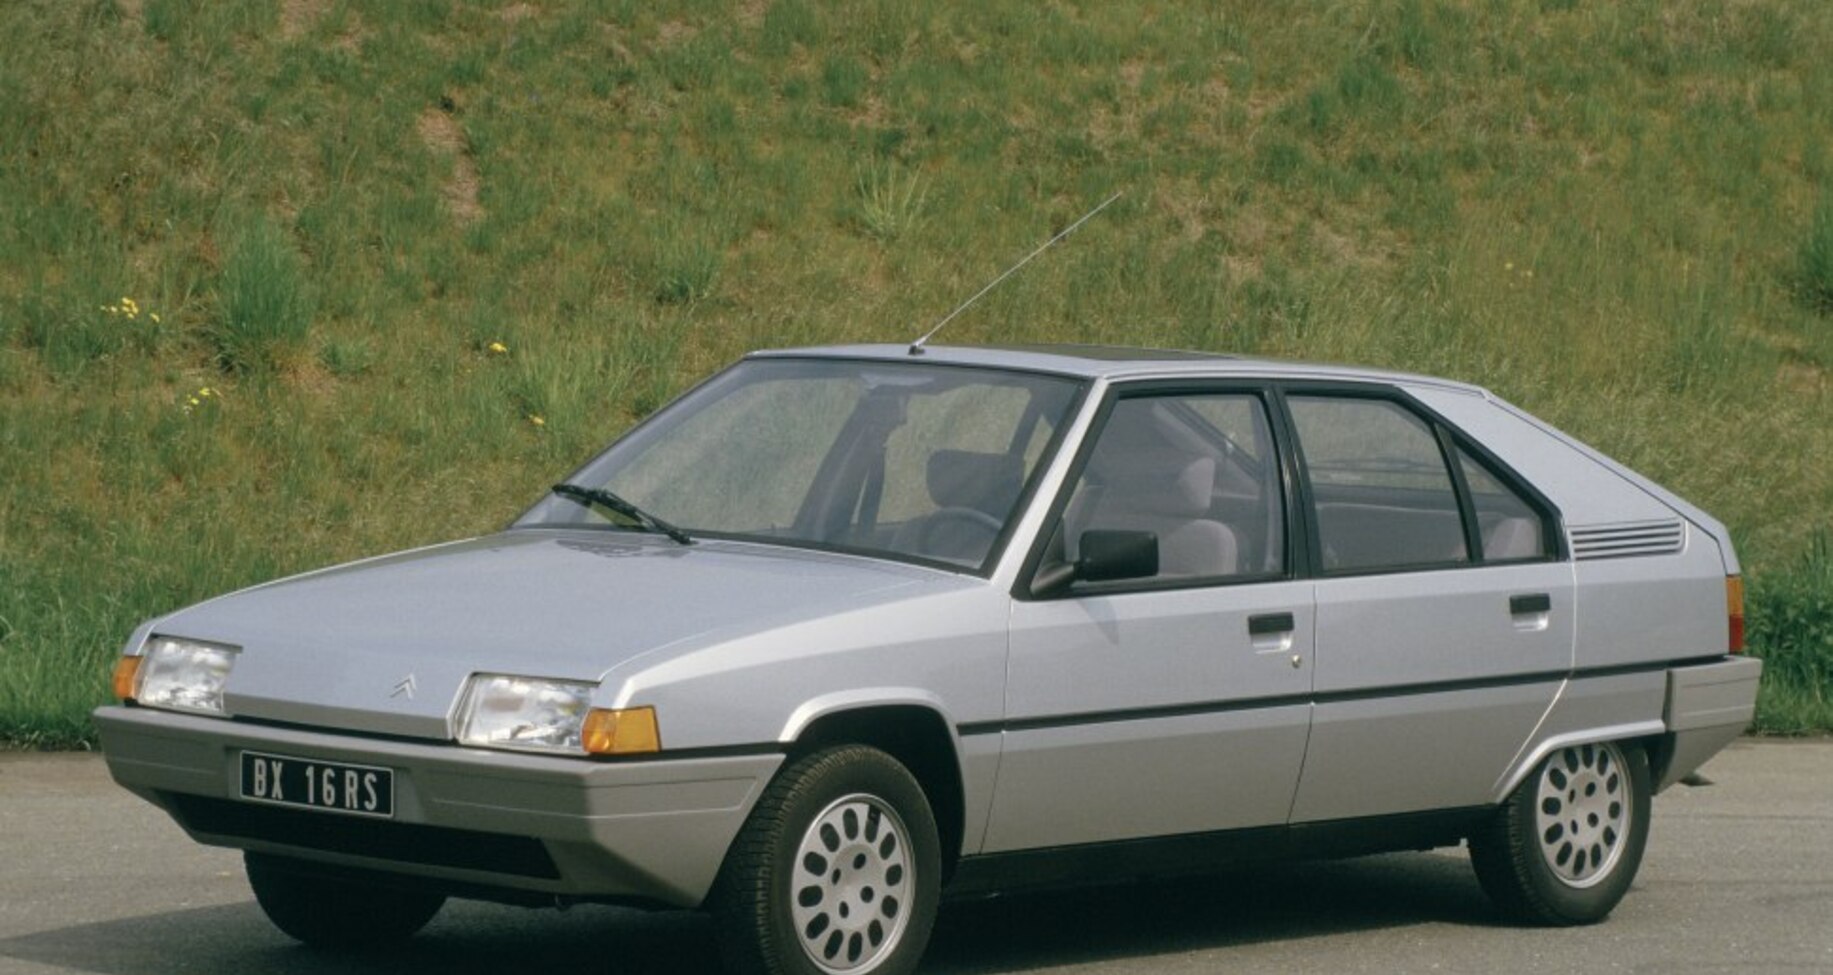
x=330, y=913
x=837, y=871
x=1566, y=845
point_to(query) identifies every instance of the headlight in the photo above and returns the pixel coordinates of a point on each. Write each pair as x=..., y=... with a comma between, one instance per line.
x=177, y=675
x=501, y=711
x=534, y=714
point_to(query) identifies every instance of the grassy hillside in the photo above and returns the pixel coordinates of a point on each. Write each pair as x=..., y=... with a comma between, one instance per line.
x=291, y=282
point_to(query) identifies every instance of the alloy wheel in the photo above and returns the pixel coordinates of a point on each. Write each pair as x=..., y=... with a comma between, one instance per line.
x=1581, y=813
x=849, y=888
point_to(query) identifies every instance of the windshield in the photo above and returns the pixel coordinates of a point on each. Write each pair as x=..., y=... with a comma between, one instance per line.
x=918, y=461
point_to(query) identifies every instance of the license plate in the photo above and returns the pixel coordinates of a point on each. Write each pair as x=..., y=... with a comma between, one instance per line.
x=310, y=783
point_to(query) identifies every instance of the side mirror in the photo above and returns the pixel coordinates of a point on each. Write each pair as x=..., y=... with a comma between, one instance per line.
x=1106, y=556
x=1110, y=555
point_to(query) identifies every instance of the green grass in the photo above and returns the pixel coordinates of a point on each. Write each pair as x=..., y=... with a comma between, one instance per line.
x=263, y=311
x=1612, y=214
x=1816, y=257
x=1791, y=628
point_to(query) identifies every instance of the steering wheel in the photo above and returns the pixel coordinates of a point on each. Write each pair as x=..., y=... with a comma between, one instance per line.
x=950, y=532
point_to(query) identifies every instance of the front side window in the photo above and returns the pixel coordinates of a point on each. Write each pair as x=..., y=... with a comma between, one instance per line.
x=1199, y=472
x=879, y=457
x=1383, y=496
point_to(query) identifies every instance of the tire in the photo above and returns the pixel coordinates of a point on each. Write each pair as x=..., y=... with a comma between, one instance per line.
x=1566, y=845
x=837, y=871
x=328, y=913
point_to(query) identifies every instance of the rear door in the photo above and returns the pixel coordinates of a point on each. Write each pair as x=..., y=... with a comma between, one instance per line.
x=1176, y=703
x=1444, y=612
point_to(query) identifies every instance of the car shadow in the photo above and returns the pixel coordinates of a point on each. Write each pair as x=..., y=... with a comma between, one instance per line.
x=1014, y=932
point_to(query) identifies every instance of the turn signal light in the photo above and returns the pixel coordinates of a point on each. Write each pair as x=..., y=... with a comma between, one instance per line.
x=127, y=677
x=1734, y=608
x=624, y=731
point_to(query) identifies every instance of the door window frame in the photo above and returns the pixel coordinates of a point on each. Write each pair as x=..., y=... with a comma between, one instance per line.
x=1303, y=544
x=1449, y=440
x=1293, y=562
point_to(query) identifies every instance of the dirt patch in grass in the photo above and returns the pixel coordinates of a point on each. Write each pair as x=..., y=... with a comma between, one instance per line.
x=442, y=134
x=1801, y=377
x=298, y=16
x=672, y=32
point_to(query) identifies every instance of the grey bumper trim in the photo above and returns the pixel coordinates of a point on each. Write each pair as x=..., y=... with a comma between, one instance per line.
x=655, y=830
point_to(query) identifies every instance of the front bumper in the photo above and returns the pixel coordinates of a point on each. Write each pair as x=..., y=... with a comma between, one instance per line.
x=652, y=830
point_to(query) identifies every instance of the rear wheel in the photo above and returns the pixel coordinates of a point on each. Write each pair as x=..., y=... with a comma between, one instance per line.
x=329, y=913
x=1566, y=846
x=836, y=872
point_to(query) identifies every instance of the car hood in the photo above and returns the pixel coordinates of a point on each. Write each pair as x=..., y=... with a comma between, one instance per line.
x=386, y=645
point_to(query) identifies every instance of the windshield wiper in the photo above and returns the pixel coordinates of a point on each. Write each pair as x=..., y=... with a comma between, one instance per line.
x=605, y=498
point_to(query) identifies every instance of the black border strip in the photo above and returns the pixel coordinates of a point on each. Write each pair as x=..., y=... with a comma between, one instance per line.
x=1046, y=722
x=1184, y=854
x=354, y=737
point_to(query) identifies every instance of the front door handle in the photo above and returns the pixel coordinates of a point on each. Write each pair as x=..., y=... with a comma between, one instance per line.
x=1267, y=624
x=1538, y=602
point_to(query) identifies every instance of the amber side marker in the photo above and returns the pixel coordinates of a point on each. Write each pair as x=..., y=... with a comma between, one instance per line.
x=624, y=731
x=127, y=677
x=1734, y=608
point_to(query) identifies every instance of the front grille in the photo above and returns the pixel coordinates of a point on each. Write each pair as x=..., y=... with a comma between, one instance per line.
x=1627, y=539
x=433, y=846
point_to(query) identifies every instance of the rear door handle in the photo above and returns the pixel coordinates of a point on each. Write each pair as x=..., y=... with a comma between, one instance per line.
x=1267, y=624
x=1538, y=602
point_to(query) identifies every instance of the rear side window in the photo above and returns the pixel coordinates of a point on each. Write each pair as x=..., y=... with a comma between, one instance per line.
x=1507, y=525
x=1383, y=495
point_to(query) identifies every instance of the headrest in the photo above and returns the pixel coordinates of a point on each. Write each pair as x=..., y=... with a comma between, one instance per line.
x=1168, y=485
x=984, y=482
x=1513, y=538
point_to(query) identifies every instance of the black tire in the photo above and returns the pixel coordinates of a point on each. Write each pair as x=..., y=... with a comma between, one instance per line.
x=325, y=912
x=1565, y=847
x=792, y=899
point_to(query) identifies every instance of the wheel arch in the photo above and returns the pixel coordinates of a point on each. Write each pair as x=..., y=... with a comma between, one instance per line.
x=1646, y=735
x=919, y=736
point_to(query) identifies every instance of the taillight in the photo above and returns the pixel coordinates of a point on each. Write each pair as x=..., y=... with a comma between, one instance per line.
x=1734, y=609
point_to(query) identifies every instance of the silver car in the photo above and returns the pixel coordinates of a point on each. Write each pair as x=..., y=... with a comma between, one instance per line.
x=845, y=630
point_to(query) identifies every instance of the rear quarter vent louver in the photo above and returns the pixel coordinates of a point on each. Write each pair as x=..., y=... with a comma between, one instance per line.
x=1628, y=539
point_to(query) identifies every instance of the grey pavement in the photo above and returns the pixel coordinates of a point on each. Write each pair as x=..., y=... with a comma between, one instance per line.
x=1738, y=878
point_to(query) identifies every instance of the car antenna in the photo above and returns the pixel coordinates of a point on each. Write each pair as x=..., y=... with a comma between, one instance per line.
x=916, y=348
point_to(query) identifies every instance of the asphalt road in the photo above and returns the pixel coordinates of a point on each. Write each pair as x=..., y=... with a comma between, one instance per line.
x=1738, y=878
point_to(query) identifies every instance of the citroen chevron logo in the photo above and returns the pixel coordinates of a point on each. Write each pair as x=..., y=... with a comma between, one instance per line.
x=404, y=686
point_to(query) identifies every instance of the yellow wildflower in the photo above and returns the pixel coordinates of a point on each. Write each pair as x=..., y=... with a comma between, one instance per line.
x=193, y=401
x=155, y=317
x=497, y=348
x=536, y=419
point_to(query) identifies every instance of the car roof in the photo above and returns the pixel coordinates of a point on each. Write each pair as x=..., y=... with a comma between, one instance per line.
x=1115, y=363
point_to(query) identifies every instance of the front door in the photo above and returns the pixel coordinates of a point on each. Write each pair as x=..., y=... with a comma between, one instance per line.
x=1177, y=703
